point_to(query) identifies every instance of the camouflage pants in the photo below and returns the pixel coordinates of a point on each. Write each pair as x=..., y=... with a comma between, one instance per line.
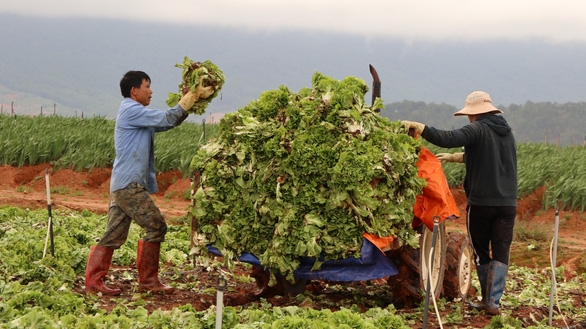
x=132, y=203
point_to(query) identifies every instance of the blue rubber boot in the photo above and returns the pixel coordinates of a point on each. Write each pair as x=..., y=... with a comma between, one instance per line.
x=482, y=271
x=495, y=283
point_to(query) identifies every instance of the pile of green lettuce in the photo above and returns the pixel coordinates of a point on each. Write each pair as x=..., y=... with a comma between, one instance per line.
x=296, y=175
x=194, y=73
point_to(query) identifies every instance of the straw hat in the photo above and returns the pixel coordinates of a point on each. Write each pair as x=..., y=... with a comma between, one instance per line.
x=478, y=102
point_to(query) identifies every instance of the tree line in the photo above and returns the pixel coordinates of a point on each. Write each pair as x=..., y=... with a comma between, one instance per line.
x=536, y=122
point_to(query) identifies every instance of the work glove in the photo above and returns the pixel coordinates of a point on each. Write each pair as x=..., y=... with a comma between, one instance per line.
x=450, y=157
x=187, y=101
x=203, y=92
x=412, y=124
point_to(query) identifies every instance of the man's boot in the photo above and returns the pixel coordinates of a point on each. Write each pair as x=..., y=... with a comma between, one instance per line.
x=495, y=283
x=147, y=262
x=482, y=271
x=98, y=264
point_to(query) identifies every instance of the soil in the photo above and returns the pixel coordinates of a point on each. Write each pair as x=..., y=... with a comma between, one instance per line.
x=26, y=188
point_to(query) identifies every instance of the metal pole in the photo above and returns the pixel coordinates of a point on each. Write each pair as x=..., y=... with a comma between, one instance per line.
x=429, y=273
x=553, y=264
x=220, y=301
x=204, y=130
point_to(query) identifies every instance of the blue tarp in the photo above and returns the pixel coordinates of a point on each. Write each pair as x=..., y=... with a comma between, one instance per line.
x=373, y=264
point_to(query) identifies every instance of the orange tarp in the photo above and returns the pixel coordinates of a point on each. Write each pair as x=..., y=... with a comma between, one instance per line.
x=436, y=200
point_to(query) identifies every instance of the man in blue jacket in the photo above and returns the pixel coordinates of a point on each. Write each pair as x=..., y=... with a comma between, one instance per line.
x=490, y=183
x=133, y=180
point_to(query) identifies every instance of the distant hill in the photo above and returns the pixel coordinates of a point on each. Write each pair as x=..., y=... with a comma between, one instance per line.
x=75, y=66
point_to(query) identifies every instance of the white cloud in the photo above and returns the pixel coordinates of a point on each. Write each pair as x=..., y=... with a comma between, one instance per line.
x=555, y=20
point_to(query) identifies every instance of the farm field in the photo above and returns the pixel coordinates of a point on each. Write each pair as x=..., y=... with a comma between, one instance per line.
x=525, y=304
x=36, y=292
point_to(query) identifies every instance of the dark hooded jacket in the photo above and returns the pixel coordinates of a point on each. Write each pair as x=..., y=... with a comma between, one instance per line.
x=490, y=155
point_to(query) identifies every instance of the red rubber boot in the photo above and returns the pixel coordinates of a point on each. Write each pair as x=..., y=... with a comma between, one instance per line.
x=147, y=262
x=98, y=264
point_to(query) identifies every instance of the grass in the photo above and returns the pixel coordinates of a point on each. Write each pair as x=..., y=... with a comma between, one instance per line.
x=581, y=264
x=168, y=196
x=59, y=189
x=23, y=189
x=526, y=231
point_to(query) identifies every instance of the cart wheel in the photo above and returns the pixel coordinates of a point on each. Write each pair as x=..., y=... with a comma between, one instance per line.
x=459, y=258
x=410, y=284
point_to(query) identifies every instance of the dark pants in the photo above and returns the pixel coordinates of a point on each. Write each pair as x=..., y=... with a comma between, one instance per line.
x=132, y=203
x=491, y=229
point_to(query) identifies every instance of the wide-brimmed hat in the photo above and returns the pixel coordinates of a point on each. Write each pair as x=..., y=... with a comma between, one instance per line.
x=478, y=102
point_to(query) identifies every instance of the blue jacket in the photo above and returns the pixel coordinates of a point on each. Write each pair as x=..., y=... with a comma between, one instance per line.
x=134, y=138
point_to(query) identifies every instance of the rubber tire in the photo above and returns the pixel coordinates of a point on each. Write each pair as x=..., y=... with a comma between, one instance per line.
x=409, y=286
x=459, y=260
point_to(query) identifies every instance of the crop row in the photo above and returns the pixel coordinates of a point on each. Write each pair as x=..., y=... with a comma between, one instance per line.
x=83, y=144
x=37, y=292
x=46, y=292
x=561, y=169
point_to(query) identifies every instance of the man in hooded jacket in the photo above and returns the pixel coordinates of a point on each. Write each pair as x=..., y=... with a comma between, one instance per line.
x=490, y=185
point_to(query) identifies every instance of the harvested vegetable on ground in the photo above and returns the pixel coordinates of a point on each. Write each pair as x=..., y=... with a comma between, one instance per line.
x=193, y=74
x=304, y=175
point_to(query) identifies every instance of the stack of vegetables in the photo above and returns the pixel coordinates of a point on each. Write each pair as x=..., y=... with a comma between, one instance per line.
x=304, y=175
x=193, y=73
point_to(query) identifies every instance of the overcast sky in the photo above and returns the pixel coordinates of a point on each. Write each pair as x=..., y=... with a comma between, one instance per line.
x=552, y=20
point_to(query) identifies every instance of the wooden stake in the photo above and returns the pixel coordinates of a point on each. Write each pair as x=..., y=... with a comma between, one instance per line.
x=50, y=225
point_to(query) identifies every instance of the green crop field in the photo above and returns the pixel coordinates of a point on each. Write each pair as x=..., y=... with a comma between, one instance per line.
x=83, y=144
x=47, y=292
x=561, y=169
x=37, y=292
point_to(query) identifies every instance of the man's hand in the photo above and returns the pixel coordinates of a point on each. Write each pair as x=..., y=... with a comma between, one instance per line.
x=203, y=92
x=187, y=101
x=191, y=97
x=450, y=157
x=411, y=124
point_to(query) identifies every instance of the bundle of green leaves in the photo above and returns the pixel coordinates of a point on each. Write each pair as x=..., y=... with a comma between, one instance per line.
x=304, y=175
x=193, y=74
